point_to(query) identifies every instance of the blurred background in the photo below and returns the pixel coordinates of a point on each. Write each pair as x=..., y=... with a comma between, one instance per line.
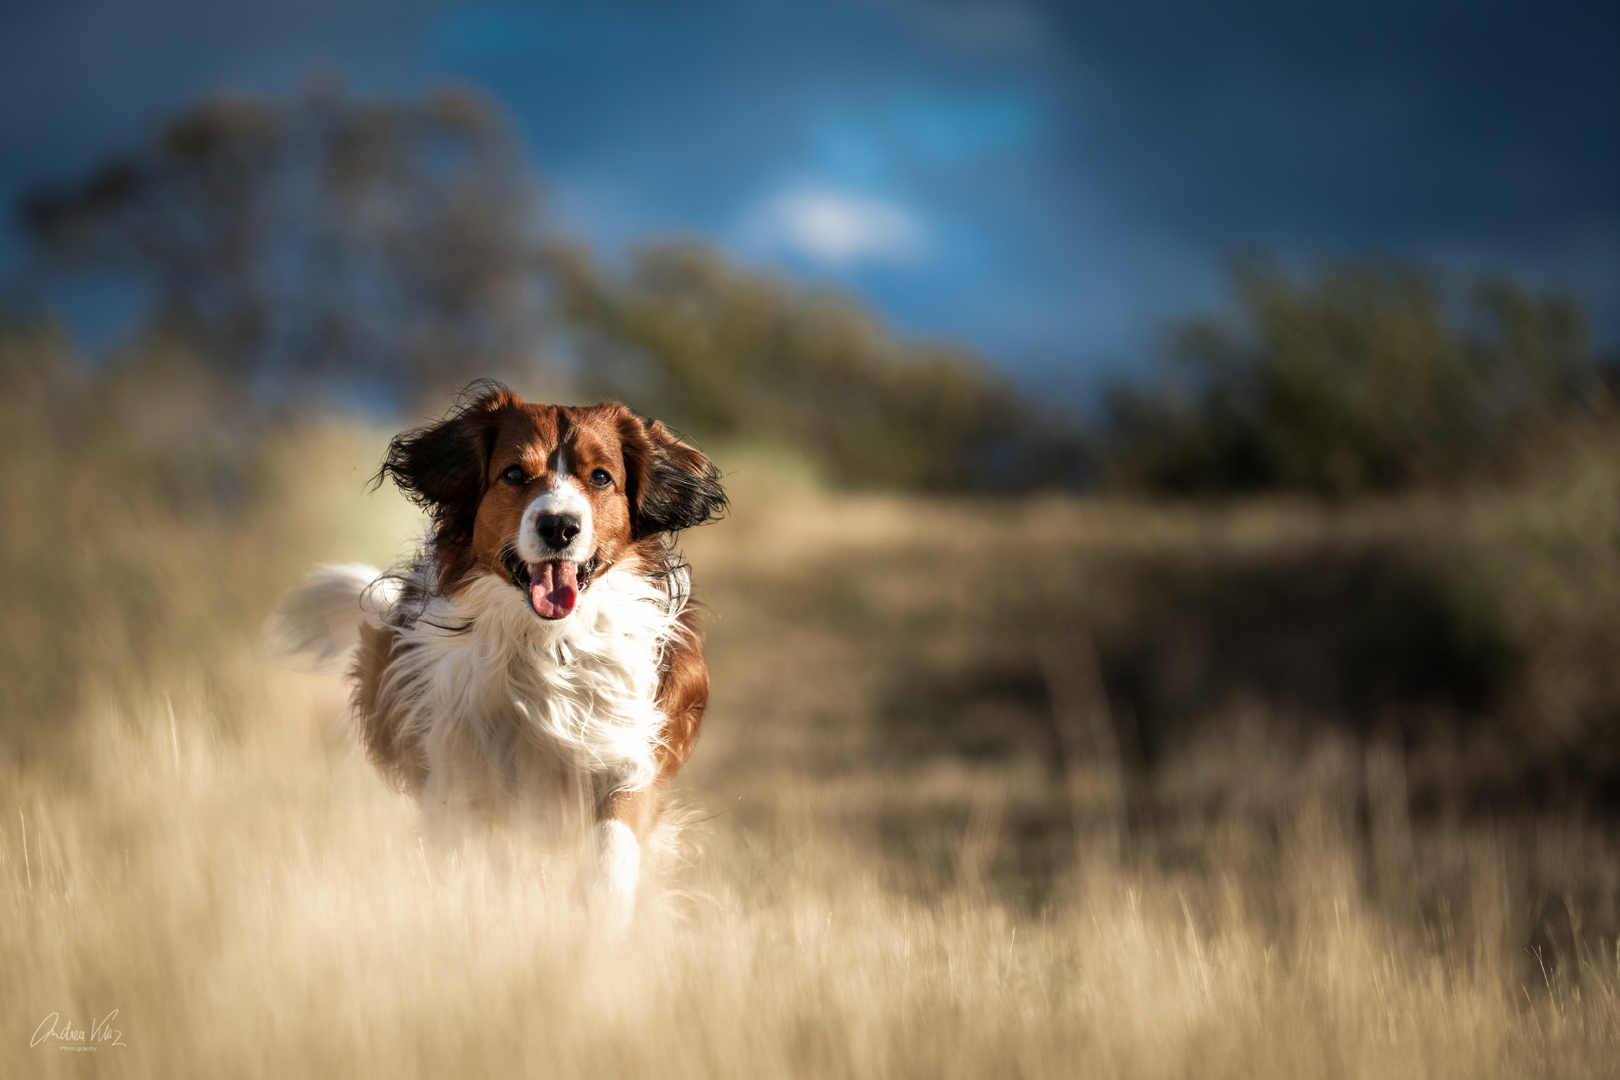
x=1176, y=478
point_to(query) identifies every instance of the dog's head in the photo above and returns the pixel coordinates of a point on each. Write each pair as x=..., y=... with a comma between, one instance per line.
x=549, y=496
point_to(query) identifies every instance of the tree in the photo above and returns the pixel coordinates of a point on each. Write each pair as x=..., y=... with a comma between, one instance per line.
x=1367, y=377
x=728, y=353
x=387, y=242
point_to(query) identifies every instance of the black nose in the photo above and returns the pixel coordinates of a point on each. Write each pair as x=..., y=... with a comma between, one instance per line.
x=558, y=529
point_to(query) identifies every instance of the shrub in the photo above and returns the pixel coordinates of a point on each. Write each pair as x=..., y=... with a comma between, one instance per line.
x=730, y=354
x=1364, y=378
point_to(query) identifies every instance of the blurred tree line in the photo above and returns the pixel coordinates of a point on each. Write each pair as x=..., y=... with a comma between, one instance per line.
x=1367, y=377
x=395, y=250
x=739, y=355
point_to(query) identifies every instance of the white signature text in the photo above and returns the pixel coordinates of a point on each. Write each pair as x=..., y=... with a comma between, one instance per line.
x=71, y=1038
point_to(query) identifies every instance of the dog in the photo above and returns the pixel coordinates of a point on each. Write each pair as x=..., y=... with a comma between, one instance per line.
x=538, y=665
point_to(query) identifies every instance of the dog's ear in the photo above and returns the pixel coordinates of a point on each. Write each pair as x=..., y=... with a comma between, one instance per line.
x=672, y=486
x=442, y=468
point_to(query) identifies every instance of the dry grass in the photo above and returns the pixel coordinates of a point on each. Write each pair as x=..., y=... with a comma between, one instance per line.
x=205, y=858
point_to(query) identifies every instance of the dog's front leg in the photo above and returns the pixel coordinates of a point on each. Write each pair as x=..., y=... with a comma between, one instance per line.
x=618, y=871
x=623, y=824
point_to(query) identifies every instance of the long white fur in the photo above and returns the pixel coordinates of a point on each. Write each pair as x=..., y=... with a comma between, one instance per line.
x=518, y=719
x=321, y=619
x=619, y=869
x=580, y=690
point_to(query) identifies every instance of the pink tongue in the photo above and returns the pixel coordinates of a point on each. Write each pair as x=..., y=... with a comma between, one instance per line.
x=553, y=588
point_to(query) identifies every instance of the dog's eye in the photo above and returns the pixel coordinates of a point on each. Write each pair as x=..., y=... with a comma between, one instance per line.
x=600, y=478
x=513, y=474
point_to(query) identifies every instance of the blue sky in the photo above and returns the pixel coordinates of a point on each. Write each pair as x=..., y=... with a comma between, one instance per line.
x=1045, y=181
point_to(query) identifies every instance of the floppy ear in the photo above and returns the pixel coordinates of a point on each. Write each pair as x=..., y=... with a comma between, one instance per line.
x=442, y=468
x=672, y=486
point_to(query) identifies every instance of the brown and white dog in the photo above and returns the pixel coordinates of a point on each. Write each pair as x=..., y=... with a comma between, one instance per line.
x=537, y=667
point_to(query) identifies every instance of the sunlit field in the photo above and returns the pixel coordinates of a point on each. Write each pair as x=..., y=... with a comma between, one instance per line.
x=986, y=788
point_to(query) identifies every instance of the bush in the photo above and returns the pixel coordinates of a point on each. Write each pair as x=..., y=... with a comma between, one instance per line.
x=1365, y=378
x=728, y=354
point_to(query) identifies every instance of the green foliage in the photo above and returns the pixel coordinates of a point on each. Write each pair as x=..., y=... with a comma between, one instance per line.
x=728, y=354
x=1366, y=378
x=1545, y=580
x=322, y=237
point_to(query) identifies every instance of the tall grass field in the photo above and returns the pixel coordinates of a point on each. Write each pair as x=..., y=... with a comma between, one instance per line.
x=1044, y=787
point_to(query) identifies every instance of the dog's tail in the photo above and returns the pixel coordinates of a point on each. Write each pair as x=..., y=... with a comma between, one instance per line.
x=319, y=622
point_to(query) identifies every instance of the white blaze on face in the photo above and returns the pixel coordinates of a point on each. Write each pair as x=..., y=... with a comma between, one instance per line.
x=565, y=496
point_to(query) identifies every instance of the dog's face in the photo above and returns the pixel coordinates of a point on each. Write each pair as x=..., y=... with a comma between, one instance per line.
x=549, y=496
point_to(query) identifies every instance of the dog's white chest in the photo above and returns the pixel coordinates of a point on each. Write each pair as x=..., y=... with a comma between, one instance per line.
x=522, y=720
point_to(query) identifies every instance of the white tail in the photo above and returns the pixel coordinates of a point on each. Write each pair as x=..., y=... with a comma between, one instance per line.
x=321, y=619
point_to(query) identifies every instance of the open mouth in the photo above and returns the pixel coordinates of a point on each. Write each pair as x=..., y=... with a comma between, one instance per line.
x=554, y=585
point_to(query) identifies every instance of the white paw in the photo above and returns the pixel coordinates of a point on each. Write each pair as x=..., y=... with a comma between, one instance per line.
x=618, y=871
